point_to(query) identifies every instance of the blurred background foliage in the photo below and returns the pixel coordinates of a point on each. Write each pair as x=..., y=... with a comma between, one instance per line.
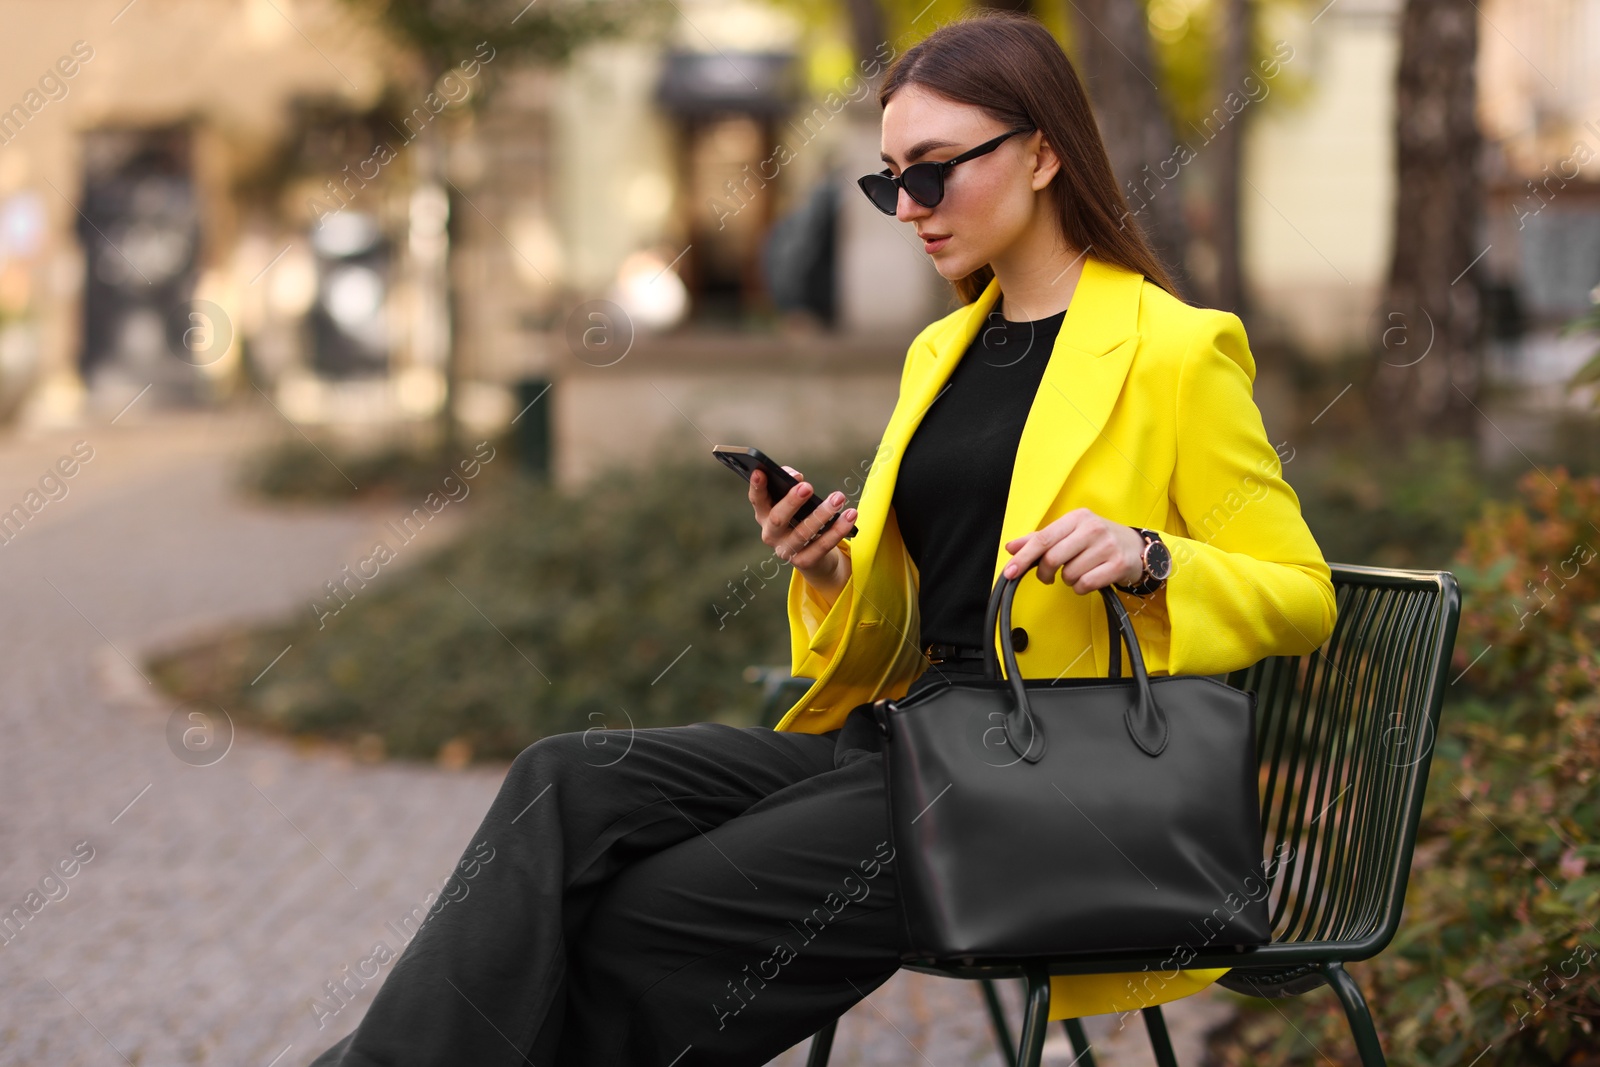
x=442, y=31
x=1186, y=35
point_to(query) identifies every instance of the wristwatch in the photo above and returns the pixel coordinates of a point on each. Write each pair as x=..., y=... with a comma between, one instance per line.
x=1157, y=564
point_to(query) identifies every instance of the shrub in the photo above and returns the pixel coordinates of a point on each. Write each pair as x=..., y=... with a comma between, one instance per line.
x=1366, y=506
x=1498, y=959
x=639, y=600
x=295, y=468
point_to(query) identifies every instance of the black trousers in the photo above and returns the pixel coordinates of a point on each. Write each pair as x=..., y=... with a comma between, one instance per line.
x=687, y=896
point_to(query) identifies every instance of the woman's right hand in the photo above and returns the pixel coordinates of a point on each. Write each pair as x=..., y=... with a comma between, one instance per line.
x=815, y=556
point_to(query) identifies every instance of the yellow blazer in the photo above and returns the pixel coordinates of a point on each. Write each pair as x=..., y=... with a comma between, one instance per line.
x=1145, y=416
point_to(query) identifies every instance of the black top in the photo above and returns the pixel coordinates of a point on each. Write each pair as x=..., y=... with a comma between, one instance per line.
x=950, y=494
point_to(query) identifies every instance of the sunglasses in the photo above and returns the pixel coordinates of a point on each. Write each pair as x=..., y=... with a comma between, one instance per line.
x=923, y=182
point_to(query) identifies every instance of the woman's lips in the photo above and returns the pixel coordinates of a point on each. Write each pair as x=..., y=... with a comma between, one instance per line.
x=932, y=243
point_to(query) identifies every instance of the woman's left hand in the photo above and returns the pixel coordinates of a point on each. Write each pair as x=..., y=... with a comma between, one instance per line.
x=1091, y=552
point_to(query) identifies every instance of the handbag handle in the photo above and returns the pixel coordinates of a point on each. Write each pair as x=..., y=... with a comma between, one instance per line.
x=991, y=669
x=1146, y=722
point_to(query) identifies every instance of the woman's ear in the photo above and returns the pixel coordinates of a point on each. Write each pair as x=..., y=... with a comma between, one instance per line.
x=1045, y=163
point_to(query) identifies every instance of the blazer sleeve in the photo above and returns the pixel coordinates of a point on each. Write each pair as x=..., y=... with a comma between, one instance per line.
x=1248, y=579
x=816, y=626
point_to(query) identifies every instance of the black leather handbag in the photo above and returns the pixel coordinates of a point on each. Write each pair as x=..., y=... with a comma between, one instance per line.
x=1081, y=815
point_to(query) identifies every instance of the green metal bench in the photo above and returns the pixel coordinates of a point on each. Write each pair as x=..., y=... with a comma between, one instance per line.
x=1344, y=739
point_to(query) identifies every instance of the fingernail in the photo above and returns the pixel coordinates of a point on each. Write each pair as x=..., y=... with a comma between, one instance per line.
x=835, y=499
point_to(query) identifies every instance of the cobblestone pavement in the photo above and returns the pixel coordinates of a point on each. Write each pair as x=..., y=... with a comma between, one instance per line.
x=208, y=905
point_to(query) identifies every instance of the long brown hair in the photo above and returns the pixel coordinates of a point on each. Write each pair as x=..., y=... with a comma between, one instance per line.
x=1009, y=65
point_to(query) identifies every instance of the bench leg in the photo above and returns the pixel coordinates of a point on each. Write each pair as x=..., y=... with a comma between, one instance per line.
x=1356, y=1011
x=1036, y=1021
x=1156, y=1024
x=822, y=1046
x=997, y=1019
x=1081, y=1056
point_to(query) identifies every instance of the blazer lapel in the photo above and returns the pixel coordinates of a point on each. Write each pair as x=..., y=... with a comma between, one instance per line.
x=1088, y=365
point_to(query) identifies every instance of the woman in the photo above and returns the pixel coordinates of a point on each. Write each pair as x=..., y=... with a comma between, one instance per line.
x=716, y=894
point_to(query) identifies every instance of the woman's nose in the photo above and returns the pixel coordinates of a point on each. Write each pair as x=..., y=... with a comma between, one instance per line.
x=906, y=209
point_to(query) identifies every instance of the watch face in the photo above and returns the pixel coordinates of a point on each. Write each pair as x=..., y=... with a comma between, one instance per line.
x=1159, y=560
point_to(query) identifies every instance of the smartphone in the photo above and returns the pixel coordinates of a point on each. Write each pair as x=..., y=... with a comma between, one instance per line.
x=746, y=461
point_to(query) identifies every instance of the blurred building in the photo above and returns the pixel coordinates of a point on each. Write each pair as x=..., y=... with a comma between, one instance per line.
x=1316, y=209
x=765, y=301
x=1318, y=223
x=131, y=249
x=200, y=199
x=1540, y=107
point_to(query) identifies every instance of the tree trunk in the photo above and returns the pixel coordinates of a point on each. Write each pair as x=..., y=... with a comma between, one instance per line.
x=1233, y=65
x=867, y=29
x=439, y=282
x=1428, y=330
x=1119, y=73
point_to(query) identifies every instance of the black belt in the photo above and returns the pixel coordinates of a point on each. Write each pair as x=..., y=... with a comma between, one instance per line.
x=942, y=653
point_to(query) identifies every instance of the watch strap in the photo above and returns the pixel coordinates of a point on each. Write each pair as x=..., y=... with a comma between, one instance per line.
x=1148, y=584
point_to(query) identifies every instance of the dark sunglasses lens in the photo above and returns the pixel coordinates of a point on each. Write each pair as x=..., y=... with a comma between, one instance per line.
x=925, y=183
x=880, y=189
